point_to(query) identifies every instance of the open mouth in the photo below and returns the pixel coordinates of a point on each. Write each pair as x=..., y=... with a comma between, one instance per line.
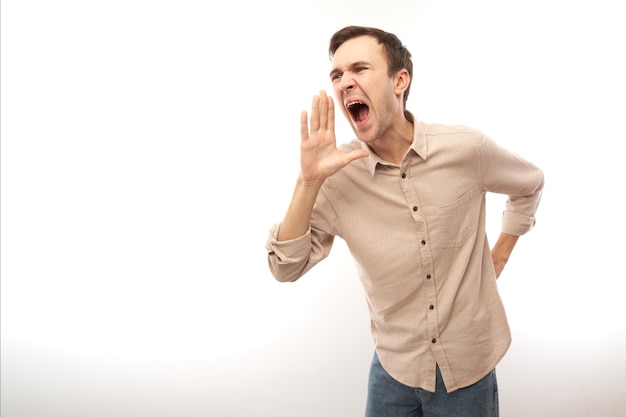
x=358, y=111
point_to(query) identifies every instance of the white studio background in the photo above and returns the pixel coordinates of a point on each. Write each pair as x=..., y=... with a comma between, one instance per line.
x=147, y=147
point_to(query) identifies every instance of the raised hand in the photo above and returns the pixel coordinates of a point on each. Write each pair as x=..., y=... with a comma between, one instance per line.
x=319, y=156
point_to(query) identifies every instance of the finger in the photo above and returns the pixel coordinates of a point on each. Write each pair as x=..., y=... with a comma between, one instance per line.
x=304, y=126
x=356, y=154
x=323, y=110
x=315, y=114
x=331, y=114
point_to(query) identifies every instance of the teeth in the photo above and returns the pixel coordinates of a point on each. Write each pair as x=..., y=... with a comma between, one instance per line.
x=354, y=103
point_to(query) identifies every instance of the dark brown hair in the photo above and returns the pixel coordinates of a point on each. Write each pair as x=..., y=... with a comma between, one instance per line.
x=398, y=56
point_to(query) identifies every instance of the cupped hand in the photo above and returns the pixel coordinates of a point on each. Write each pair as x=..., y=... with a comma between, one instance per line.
x=319, y=156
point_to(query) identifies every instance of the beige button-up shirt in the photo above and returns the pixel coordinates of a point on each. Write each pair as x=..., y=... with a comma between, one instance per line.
x=417, y=235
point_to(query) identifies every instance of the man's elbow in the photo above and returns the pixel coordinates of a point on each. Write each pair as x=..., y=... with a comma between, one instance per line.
x=283, y=272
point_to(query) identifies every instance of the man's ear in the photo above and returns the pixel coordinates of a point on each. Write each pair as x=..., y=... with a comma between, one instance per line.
x=402, y=81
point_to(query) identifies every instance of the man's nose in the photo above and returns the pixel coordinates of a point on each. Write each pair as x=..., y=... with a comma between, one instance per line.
x=347, y=82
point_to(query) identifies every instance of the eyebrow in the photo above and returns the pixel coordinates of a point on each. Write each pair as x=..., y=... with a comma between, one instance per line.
x=352, y=66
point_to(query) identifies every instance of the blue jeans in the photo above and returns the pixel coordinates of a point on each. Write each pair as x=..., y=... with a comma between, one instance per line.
x=389, y=398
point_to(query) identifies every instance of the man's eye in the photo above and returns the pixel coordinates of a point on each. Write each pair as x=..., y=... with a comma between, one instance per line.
x=335, y=77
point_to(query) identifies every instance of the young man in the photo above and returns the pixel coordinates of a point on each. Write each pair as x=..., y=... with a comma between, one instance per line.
x=408, y=198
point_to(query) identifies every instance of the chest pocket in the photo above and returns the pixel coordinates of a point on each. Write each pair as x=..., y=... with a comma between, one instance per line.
x=458, y=220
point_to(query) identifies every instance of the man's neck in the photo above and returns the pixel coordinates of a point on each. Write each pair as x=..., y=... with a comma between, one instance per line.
x=395, y=143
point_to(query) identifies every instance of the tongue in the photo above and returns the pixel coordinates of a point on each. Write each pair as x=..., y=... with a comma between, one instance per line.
x=362, y=114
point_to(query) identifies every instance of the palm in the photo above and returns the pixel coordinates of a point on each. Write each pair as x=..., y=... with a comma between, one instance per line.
x=319, y=156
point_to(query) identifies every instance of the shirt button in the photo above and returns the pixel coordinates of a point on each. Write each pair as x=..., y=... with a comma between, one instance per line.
x=403, y=175
x=414, y=208
x=434, y=340
x=431, y=307
x=423, y=242
x=428, y=276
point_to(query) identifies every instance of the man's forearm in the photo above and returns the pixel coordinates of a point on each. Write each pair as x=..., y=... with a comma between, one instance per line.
x=298, y=216
x=502, y=251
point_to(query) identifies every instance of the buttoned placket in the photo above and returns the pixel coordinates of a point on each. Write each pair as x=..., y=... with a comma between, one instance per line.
x=412, y=199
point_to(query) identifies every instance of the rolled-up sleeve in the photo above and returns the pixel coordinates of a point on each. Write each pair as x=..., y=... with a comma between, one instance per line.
x=507, y=173
x=516, y=224
x=290, y=259
x=519, y=215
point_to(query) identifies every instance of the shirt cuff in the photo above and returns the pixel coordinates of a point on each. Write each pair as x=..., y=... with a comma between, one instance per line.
x=516, y=224
x=288, y=251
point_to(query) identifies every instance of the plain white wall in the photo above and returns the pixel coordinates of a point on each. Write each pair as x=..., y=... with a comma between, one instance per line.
x=147, y=147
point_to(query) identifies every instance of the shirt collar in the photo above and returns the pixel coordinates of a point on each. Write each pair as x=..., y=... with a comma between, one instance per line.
x=418, y=146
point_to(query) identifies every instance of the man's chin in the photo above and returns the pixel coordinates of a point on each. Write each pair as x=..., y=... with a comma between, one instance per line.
x=362, y=132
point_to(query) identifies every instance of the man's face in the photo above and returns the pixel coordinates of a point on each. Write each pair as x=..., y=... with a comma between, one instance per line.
x=362, y=86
